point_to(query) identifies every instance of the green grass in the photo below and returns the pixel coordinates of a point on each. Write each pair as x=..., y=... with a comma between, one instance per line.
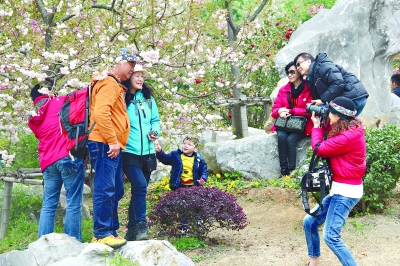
x=186, y=243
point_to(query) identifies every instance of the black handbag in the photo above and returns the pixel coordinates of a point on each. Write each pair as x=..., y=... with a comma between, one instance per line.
x=318, y=178
x=292, y=123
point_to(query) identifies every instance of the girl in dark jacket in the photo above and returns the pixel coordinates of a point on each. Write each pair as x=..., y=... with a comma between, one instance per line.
x=346, y=150
x=292, y=99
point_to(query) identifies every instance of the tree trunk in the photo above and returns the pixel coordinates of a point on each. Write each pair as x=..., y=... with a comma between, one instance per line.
x=239, y=115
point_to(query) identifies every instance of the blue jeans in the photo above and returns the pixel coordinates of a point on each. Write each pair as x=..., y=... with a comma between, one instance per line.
x=72, y=174
x=108, y=189
x=287, y=149
x=359, y=105
x=137, y=206
x=336, y=211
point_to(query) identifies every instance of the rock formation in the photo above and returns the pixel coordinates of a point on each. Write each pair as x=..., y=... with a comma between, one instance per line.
x=362, y=36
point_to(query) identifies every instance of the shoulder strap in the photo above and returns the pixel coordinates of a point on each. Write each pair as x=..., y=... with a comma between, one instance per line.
x=91, y=86
x=289, y=101
x=304, y=196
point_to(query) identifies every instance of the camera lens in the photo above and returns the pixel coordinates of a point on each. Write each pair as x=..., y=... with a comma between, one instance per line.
x=313, y=108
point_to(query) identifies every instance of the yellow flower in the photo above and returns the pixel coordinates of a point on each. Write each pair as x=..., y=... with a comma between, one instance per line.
x=218, y=175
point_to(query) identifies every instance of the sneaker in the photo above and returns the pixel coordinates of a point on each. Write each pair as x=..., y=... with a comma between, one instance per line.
x=111, y=241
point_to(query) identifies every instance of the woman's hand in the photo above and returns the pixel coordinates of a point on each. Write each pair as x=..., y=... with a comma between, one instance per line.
x=316, y=121
x=152, y=137
x=283, y=112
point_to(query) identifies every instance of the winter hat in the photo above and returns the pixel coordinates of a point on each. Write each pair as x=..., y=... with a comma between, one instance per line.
x=35, y=92
x=344, y=107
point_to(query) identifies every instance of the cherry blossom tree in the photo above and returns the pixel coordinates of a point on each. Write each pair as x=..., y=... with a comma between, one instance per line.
x=195, y=51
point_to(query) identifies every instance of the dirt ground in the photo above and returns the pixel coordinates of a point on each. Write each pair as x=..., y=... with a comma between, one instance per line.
x=275, y=235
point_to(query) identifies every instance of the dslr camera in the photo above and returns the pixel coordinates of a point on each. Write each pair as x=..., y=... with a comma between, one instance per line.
x=322, y=111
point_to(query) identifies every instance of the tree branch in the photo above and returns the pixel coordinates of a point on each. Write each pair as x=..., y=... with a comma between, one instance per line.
x=7, y=77
x=106, y=8
x=42, y=10
x=229, y=19
x=201, y=96
x=258, y=11
x=66, y=18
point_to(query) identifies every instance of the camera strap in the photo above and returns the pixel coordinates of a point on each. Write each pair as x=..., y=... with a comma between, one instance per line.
x=306, y=182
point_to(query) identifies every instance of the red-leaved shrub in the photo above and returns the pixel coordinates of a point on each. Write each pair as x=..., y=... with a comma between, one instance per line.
x=197, y=211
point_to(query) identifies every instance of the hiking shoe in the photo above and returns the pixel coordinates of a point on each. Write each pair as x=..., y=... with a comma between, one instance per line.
x=141, y=231
x=131, y=234
x=110, y=241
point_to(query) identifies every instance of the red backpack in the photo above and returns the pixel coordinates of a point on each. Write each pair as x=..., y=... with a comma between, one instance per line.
x=74, y=121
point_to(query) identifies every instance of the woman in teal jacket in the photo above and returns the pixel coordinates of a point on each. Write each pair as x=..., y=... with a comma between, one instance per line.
x=139, y=160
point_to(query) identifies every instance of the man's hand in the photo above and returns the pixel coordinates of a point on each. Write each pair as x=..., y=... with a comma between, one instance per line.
x=114, y=150
x=317, y=102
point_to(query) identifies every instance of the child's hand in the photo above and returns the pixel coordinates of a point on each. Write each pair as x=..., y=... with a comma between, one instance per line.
x=157, y=145
x=201, y=181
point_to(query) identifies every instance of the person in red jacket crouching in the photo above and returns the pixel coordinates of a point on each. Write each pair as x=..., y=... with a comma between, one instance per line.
x=346, y=149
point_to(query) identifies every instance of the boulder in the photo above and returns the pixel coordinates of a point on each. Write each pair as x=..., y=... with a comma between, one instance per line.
x=62, y=250
x=394, y=115
x=256, y=157
x=363, y=37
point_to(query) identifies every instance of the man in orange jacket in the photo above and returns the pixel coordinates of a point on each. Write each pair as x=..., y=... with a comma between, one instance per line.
x=109, y=136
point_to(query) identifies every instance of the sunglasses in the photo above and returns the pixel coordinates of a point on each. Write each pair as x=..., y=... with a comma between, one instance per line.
x=299, y=63
x=291, y=72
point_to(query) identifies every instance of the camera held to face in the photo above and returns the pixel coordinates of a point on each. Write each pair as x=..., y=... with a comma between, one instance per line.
x=318, y=110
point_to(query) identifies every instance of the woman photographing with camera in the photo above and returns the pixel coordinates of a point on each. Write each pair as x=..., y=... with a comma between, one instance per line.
x=292, y=99
x=139, y=160
x=346, y=149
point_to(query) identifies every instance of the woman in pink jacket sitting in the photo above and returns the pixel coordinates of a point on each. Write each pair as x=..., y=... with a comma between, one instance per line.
x=292, y=99
x=346, y=149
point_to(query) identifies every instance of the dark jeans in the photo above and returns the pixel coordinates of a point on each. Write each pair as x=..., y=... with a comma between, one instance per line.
x=139, y=180
x=287, y=142
x=108, y=189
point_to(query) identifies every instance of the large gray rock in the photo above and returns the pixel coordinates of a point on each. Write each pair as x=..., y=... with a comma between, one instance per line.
x=395, y=115
x=256, y=157
x=63, y=250
x=363, y=36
